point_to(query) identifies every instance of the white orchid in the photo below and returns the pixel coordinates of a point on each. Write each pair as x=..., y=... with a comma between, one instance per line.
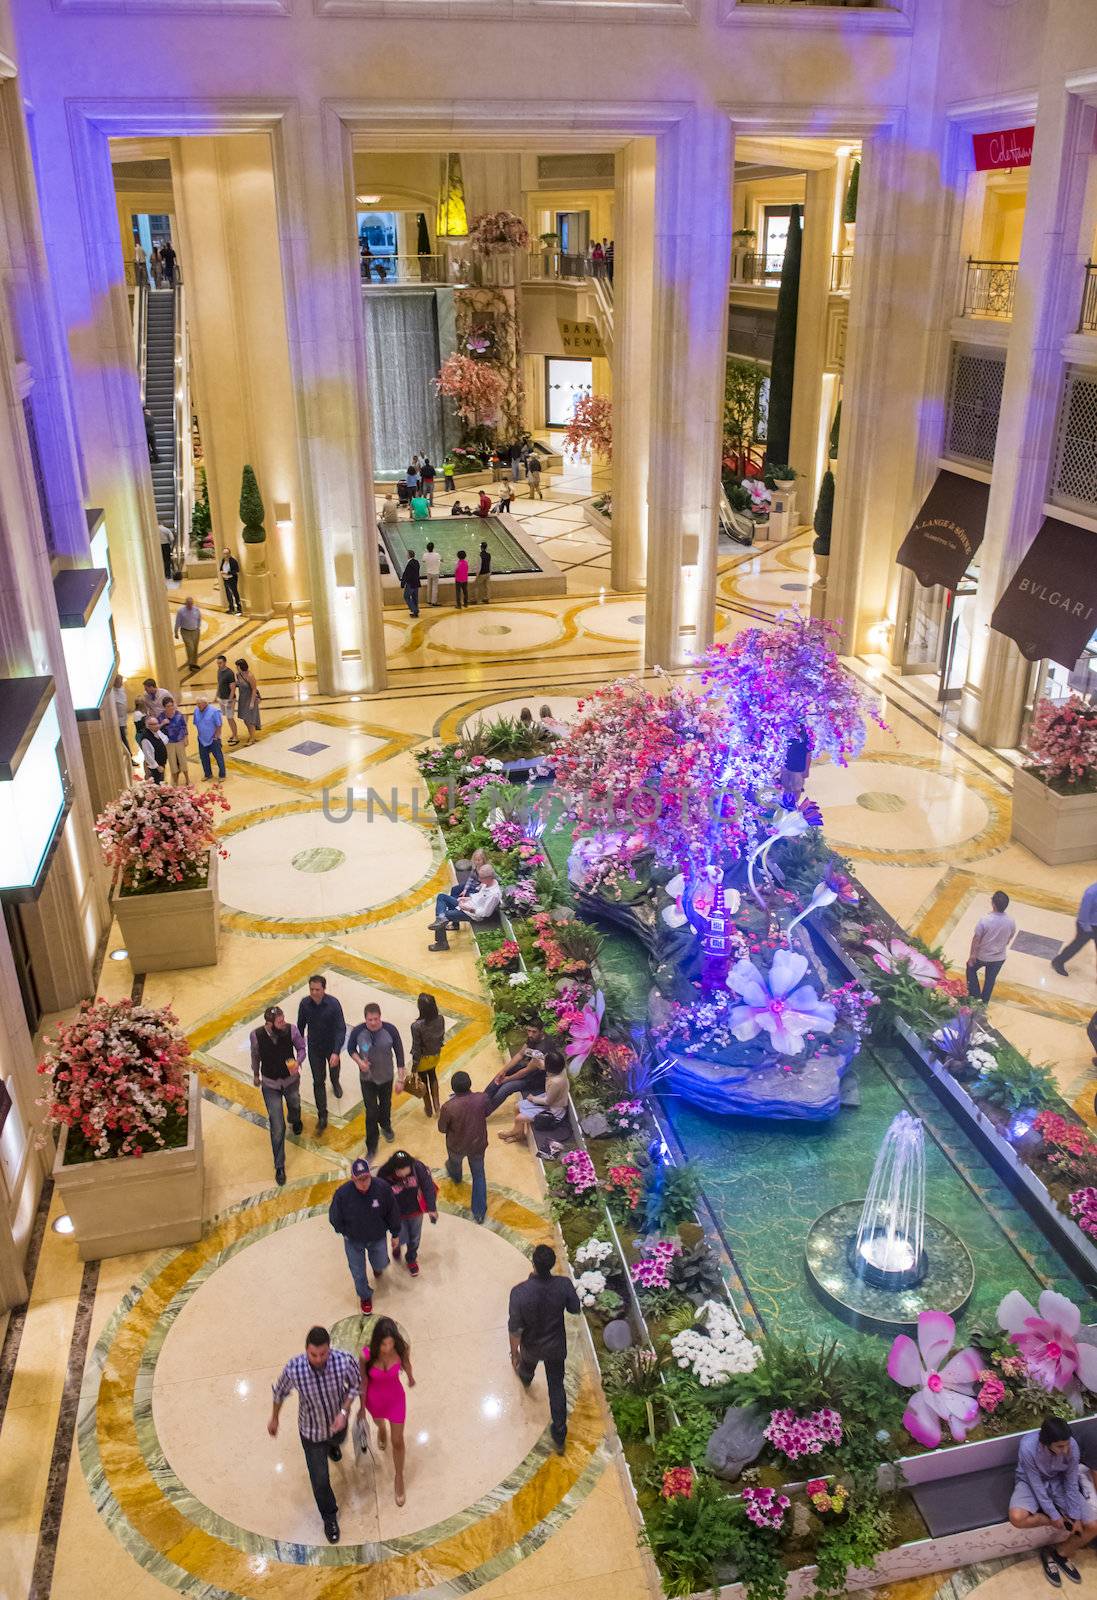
x=777, y=1003
x=594, y=1253
x=588, y=1286
x=715, y=1347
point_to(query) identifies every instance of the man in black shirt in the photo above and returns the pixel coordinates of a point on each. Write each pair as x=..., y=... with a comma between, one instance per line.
x=483, y=576
x=362, y=1211
x=537, y=1333
x=320, y=1019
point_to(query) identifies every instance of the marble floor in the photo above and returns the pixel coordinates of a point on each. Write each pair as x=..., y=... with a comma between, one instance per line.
x=134, y=1458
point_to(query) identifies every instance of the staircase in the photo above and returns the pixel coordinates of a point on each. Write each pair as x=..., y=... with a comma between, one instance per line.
x=159, y=385
x=600, y=298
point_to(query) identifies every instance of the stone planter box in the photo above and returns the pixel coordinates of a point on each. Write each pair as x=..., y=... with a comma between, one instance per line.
x=1055, y=827
x=136, y=1203
x=598, y=520
x=172, y=928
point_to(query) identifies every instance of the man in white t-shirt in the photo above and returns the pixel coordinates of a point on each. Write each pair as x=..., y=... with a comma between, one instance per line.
x=450, y=910
x=432, y=568
x=993, y=936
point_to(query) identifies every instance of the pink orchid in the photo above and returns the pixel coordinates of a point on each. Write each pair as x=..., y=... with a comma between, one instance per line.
x=1048, y=1340
x=777, y=1003
x=897, y=956
x=945, y=1393
x=584, y=1031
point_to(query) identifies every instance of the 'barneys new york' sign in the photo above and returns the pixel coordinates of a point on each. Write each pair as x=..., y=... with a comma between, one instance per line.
x=1011, y=147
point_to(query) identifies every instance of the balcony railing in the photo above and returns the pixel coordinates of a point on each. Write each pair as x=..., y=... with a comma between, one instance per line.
x=499, y=271
x=1087, y=322
x=841, y=274
x=754, y=267
x=989, y=288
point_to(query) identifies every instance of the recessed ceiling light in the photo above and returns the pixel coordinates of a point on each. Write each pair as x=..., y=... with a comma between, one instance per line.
x=119, y=955
x=64, y=1225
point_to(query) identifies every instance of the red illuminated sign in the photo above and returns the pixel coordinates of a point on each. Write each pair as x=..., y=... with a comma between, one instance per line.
x=1012, y=147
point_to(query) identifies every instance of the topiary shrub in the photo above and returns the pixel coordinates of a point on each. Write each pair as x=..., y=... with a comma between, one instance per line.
x=849, y=210
x=251, y=509
x=835, y=430
x=824, y=515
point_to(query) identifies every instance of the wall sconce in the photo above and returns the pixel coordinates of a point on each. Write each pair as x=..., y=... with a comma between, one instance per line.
x=879, y=635
x=34, y=791
x=87, y=636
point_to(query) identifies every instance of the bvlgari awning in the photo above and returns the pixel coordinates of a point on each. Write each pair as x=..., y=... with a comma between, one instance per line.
x=1050, y=607
x=947, y=531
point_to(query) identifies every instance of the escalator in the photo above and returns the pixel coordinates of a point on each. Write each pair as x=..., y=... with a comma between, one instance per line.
x=159, y=332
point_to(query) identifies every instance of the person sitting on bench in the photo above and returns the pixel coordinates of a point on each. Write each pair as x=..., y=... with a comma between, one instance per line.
x=450, y=910
x=1054, y=1490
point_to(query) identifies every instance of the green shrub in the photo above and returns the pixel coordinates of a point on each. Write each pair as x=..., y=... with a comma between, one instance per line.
x=824, y=515
x=252, y=514
x=1014, y=1083
x=849, y=209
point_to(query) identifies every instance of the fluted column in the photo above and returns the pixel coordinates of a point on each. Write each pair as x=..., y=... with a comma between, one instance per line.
x=692, y=265
x=634, y=255
x=324, y=323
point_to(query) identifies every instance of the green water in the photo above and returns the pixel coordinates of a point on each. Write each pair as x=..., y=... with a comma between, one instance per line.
x=767, y=1182
x=450, y=534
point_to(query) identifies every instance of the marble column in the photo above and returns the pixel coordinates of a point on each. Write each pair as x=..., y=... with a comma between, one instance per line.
x=1045, y=314
x=692, y=265
x=493, y=182
x=811, y=333
x=314, y=178
x=88, y=287
x=634, y=256
x=228, y=241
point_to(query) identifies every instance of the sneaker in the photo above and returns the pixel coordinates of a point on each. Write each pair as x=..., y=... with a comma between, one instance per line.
x=397, y=1251
x=439, y=922
x=442, y=944
x=413, y=1268
x=1067, y=1567
x=331, y=1529
x=387, y=1134
x=334, y=1452
x=298, y=1127
x=1051, y=1571
x=366, y=1304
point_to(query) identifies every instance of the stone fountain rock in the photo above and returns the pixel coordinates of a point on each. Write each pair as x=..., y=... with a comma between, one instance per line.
x=736, y=1442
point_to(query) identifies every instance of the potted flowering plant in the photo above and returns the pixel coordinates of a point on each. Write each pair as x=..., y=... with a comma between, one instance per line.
x=497, y=231
x=1055, y=791
x=129, y=1153
x=161, y=842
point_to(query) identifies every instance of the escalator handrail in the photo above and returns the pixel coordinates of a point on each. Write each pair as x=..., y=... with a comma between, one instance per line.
x=141, y=333
x=181, y=463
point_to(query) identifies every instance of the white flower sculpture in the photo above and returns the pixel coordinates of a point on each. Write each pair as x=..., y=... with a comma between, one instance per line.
x=675, y=915
x=777, y=1003
x=588, y=1286
x=594, y=1253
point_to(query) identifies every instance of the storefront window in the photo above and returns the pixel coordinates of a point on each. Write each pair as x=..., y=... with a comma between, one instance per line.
x=775, y=237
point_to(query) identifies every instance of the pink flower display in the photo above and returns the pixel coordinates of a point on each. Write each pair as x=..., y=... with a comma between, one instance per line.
x=477, y=389
x=1048, y=1340
x=579, y=1171
x=157, y=831
x=494, y=232
x=899, y=957
x=992, y=1391
x=590, y=430
x=795, y=1436
x=1083, y=1208
x=765, y=1507
x=115, y=1073
x=652, y=1271
x=777, y=1003
x=583, y=1032
x=1063, y=741
x=945, y=1387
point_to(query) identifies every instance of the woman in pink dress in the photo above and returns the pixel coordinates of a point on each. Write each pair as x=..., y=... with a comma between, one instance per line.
x=381, y=1363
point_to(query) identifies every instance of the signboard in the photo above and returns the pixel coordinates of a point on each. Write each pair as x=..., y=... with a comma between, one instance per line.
x=1011, y=147
x=1049, y=608
x=580, y=338
x=947, y=531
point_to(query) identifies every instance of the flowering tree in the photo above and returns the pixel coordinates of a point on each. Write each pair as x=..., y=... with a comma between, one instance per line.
x=493, y=232
x=769, y=684
x=1063, y=743
x=156, y=835
x=590, y=431
x=649, y=766
x=116, y=1073
x=477, y=389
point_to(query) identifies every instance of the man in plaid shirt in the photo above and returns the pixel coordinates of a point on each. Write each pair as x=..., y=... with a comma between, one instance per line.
x=326, y=1381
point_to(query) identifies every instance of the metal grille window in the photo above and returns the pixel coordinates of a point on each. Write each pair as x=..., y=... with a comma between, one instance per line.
x=1074, y=482
x=39, y=476
x=974, y=401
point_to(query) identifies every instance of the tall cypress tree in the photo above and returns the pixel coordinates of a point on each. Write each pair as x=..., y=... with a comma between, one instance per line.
x=251, y=509
x=783, y=365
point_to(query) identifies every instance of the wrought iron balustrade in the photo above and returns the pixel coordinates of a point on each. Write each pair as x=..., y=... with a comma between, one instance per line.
x=989, y=288
x=1087, y=321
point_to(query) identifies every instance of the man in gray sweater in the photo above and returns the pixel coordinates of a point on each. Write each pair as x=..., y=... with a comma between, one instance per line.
x=378, y=1051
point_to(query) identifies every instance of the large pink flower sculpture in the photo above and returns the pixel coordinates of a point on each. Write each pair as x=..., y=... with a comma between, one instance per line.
x=945, y=1388
x=1048, y=1340
x=583, y=1032
x=898, y=956
x=777, y=1003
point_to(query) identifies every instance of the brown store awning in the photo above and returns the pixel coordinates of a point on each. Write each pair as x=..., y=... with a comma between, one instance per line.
x=1050, y=607
x=947, y=531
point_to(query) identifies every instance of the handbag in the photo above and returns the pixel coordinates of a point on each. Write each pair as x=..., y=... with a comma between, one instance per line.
x=544, y=1120
x=361, y=1430
x=413, y=1084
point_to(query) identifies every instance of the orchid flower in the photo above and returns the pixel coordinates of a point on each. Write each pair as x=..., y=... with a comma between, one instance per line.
x=1048, y=1340
x=945, y=1393
x=789, y=822
x=822, y=895
x=584, y=1031
x=897, y=956
x=777, y=1003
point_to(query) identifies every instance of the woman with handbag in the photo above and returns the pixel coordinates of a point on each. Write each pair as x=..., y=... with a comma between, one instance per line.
x=416, y=1197
x=543, y=1110
x=380, y=1364
x=427, y=1034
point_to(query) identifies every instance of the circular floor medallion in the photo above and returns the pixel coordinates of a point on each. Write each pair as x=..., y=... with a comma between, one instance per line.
x=880, y=800
x=318, y=858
